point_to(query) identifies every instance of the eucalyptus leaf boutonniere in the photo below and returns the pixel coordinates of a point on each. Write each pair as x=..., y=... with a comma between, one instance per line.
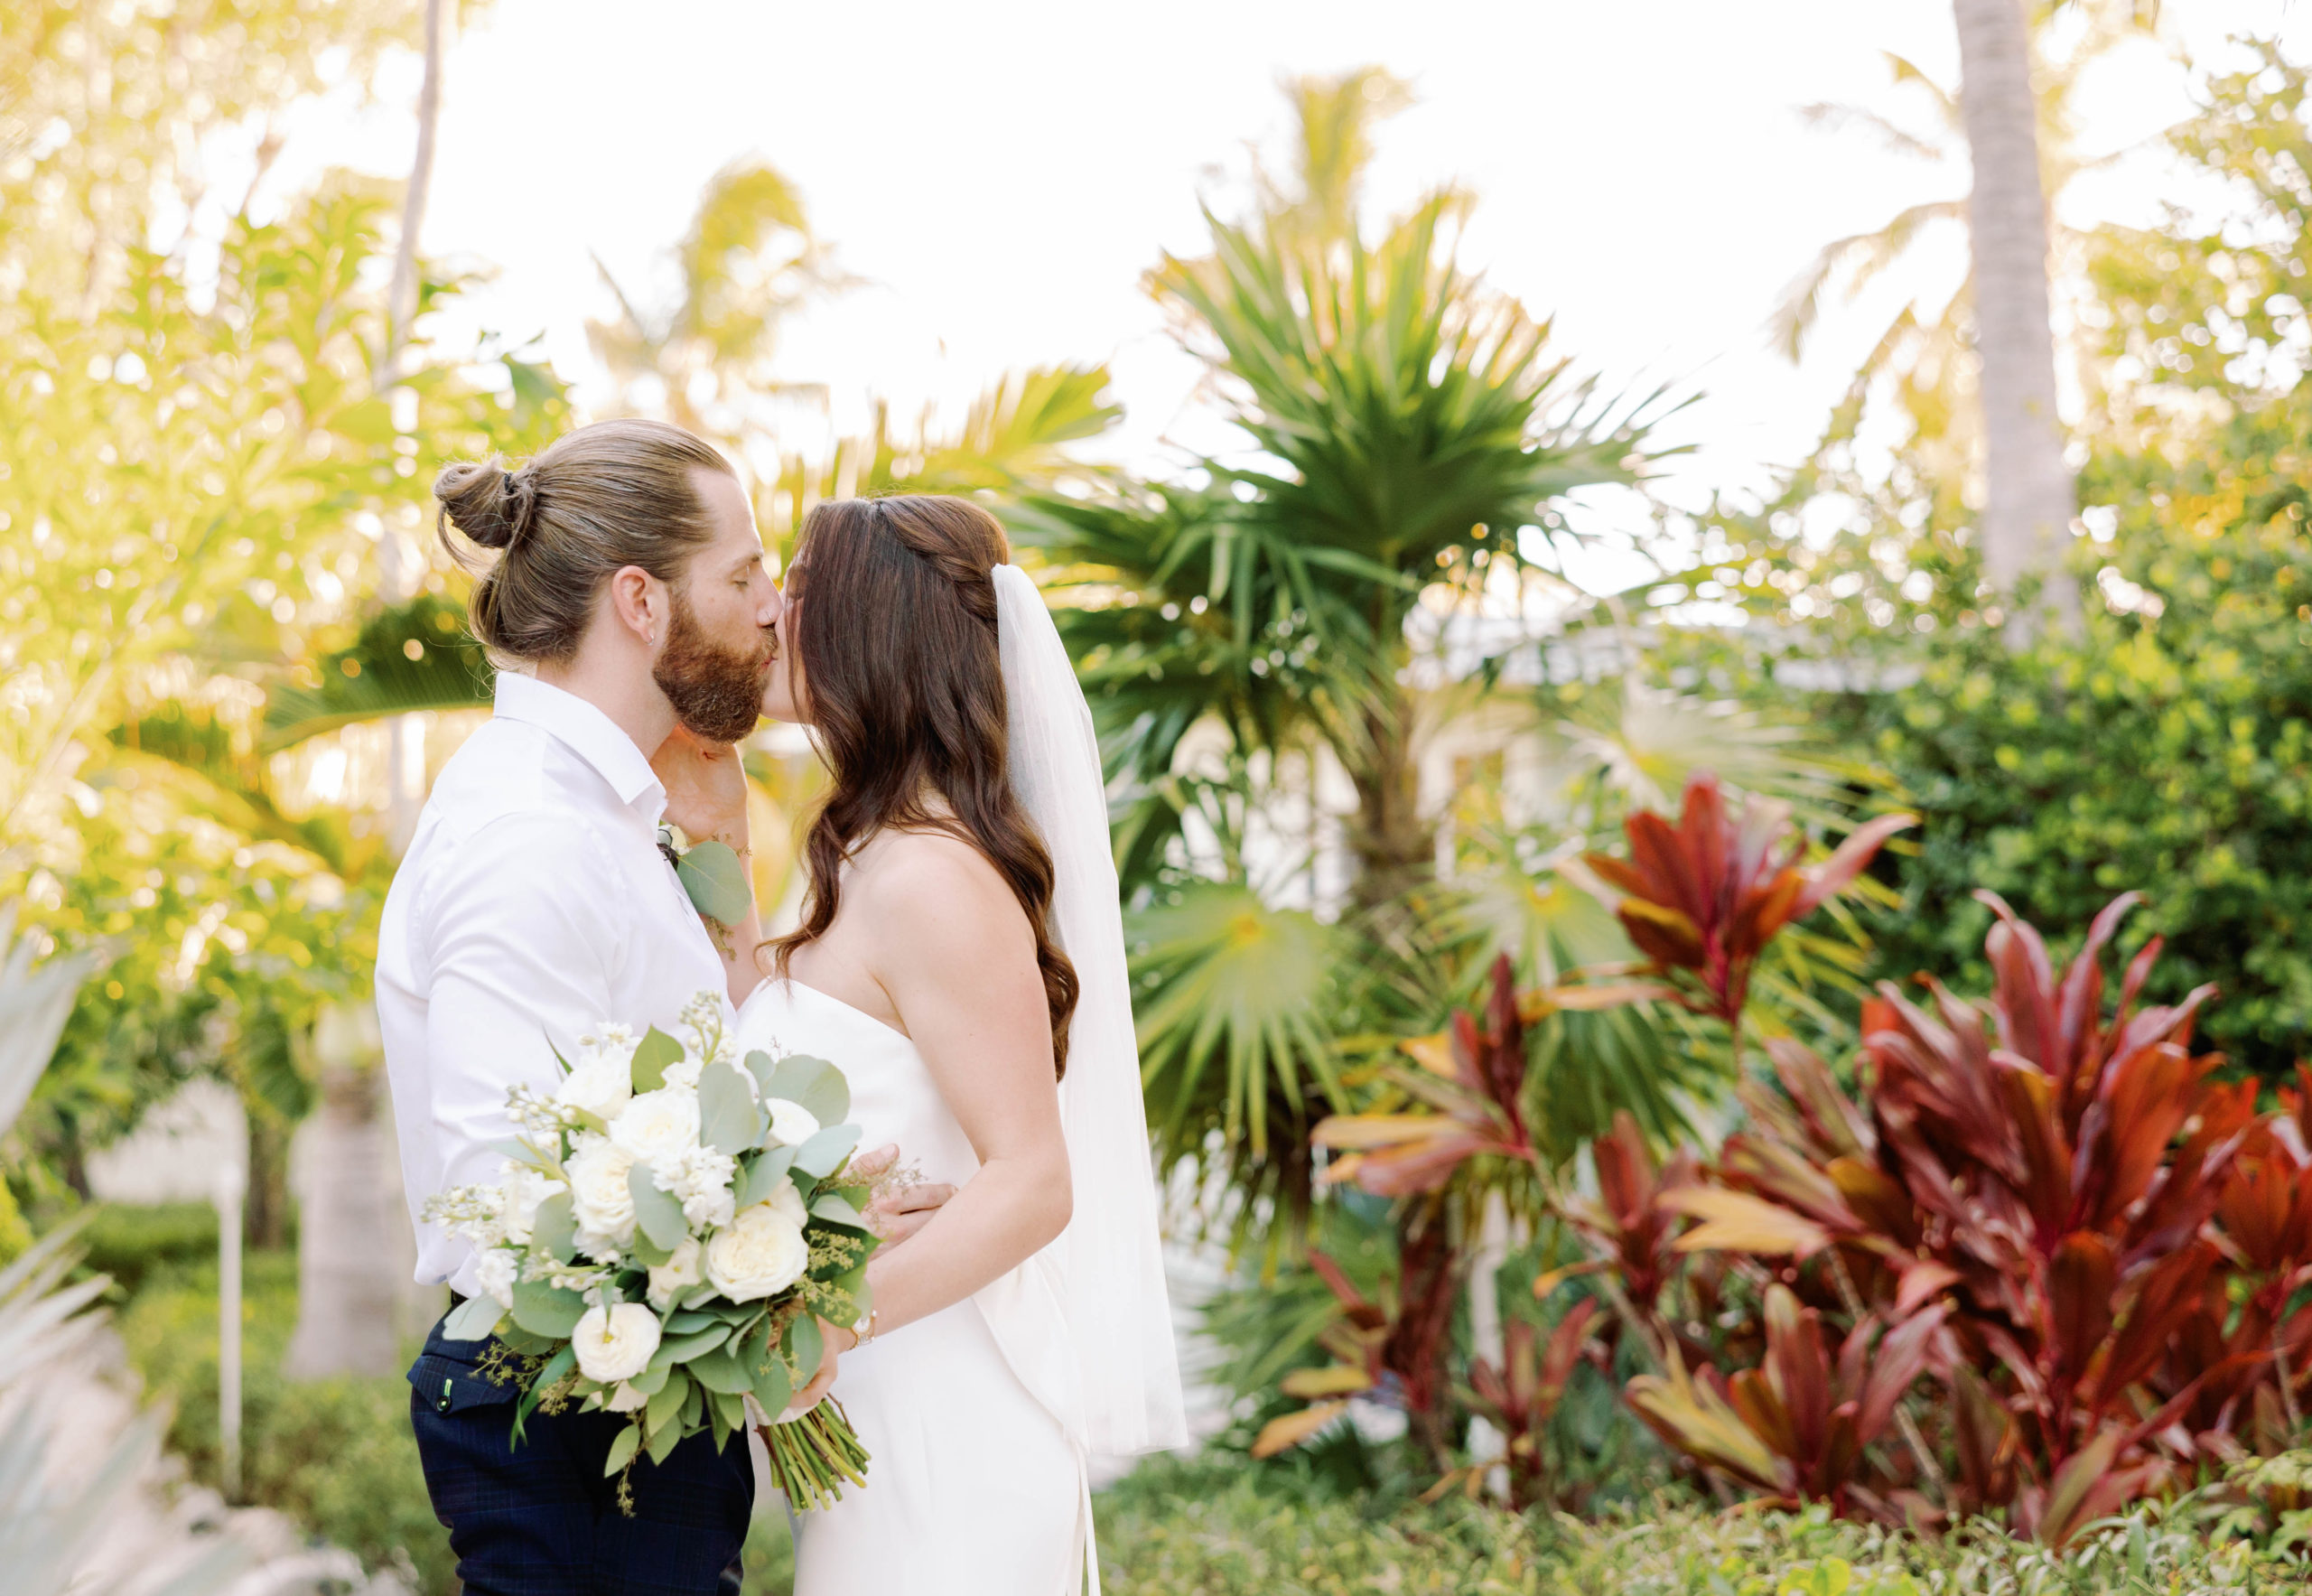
x=712, y=874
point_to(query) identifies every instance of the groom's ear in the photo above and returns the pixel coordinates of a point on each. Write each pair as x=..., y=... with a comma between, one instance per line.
x=638, y=603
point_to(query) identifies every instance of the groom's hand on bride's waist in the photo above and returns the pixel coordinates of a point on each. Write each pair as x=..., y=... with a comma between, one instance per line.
x=904, y=1208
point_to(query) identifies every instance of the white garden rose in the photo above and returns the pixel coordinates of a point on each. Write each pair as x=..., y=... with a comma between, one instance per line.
x=600, y=1084
x=599, y=1195
x=788, y=1200
x=684, y=1072
x=761, y=1253
x=494, y=1274
x=617, y=1344
x=792, y=1123
x=626, y=1398
x=678, y=1273
x=525, y=1188
x=658, y=1125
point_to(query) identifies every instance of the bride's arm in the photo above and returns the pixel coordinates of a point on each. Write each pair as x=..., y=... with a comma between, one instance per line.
x=953, y=952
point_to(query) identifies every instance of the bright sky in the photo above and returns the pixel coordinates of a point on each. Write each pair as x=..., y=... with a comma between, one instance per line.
x=1001, y=174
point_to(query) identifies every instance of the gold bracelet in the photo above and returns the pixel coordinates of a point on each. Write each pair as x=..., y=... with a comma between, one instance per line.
x=860, y=1337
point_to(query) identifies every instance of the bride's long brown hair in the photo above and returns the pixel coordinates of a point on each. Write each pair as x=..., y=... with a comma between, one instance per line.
x=893, y=633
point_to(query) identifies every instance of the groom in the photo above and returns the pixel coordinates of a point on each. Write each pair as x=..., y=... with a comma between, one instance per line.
x=629, y=597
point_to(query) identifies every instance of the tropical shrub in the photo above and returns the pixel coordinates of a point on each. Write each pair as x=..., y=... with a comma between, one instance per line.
x=2053, y=1207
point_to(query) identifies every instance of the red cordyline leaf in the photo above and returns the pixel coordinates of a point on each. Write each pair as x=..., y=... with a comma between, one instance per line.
x=1707, y=894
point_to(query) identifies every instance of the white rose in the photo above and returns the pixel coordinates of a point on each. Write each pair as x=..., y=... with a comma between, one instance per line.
x=599, y=1195
x=615, y=1345
x=658, y=1125
x=683, y=1073
x=493, y=1276
x=600, y=1084
x=525, y=1188
x=792, y=1123
x=788, y=1201
x=762, y=1253
x=626, y=1398
x=678, y=1275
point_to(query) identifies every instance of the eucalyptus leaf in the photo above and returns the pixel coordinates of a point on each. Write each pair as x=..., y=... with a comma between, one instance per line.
x=719, y=1370
x=762, y=1066
x=546, y=1310
x=717, y=881
x=772, y=1386
x=837, y=1212
x=722, y=1426
x=684, y=1322
x=472, y=1320
x=733, y=1408
x=555, y=1230
x=658, y=1214
x=652, y=1054
x=663, y=1439
x=806, y=1345
x=815, y=1084
x=667, y=1402
x=647, y=1252
x=697, y=1344
x=623, y=1447
x=693, y=1405
x=653, y=1379
x=823, y=1153
x=764, y=1180
x=728, y=1120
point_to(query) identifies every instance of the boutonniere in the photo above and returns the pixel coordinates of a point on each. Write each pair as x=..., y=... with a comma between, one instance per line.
x=712, y=874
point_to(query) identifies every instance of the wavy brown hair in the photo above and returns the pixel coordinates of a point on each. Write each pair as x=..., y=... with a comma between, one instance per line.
x=893, y=633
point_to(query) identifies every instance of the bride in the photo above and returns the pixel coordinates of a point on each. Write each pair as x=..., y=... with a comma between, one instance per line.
x=961, y=957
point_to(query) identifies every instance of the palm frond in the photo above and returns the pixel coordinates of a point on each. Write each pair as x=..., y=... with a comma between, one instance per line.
x=411, y=657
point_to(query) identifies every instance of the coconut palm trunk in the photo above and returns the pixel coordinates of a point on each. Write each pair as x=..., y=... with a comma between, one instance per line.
x=2028, y=494
x=351, y=1282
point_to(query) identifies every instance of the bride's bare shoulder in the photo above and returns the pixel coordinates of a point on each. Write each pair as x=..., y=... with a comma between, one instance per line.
x=928, y=885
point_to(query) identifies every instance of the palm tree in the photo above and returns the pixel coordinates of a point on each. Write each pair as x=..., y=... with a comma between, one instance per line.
x=706, y=360
x=1412, y=435
x=2029, y=496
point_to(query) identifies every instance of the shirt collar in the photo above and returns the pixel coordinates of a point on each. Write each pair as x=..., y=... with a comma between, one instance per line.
x=587, y=733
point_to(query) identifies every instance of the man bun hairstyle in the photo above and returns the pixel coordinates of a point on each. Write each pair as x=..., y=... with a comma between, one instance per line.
x=613, y=494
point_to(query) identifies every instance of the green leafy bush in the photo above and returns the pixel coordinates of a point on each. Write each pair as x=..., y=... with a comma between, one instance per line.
x=336, y=1455
x=2169, y=748
x=129, y=1241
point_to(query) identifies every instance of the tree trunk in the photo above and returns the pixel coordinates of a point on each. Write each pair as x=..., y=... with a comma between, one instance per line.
x=350, y=1291
x=1395, y=848
x=347, y=1295
x=2028, y=498
x=268, y=1190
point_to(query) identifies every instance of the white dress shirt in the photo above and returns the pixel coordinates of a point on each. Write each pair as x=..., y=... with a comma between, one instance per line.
x=533, y=904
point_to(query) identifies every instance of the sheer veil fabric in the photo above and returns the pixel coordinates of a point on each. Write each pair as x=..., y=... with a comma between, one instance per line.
x=1110, y=1273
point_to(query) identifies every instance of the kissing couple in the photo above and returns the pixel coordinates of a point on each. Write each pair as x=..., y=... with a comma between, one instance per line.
x=960, y=957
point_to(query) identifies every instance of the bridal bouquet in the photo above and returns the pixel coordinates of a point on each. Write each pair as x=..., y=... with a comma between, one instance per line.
x=672, y=1225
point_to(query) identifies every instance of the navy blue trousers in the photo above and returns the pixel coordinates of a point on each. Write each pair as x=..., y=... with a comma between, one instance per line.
x=540, y=1519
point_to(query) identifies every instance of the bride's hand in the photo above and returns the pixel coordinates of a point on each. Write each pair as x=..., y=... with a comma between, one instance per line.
x=706, y=788
x=808, y=1397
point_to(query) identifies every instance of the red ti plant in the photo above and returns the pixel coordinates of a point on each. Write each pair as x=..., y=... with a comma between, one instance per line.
x=1703, y=898
x=2050, y=1171
x=1520, y=1398
x=1354, y=1339
x=1801, y=1427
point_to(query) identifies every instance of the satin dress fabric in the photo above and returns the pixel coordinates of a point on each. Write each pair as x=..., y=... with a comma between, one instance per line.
x=978, y=1482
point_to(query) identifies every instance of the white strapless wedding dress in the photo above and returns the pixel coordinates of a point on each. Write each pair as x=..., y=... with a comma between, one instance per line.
x=976, y=1483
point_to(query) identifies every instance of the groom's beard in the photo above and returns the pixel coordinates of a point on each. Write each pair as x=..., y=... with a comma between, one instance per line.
x=716, y=692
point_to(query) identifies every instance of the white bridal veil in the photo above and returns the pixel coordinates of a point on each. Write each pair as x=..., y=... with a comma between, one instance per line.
x=1118, y=1318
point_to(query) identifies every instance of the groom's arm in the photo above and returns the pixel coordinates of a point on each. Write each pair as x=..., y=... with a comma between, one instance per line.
x=520, y=947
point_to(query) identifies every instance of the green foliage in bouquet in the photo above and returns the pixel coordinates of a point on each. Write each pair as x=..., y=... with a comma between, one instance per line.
x=674, y=1224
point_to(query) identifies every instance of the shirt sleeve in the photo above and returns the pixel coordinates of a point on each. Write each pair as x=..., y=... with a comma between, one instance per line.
x=522, y=942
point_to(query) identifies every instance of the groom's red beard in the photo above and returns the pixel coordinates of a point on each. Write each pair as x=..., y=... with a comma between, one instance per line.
x=716, y=691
